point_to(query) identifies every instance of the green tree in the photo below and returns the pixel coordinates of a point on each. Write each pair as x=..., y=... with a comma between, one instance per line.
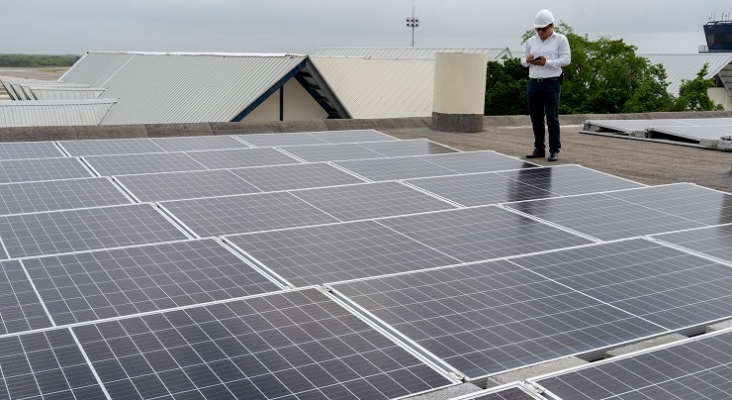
x=506, y=83
x=693, y=93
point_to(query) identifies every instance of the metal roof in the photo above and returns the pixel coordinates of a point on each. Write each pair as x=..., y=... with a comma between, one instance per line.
x=64, y=93
x=53, y=113
x=377, y=88
x=686, y=66
x=400, y=53
x=159, y=88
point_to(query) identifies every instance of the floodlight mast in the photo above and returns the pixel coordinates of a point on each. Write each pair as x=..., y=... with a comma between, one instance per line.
x=413, y=22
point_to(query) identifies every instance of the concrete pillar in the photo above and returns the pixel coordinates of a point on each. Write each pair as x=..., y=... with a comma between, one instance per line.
x=459, y=92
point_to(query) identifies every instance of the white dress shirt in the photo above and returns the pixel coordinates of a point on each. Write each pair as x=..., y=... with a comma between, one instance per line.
x=555, y=49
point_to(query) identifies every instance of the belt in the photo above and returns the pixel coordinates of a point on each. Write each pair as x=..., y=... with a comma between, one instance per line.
x=553, y=78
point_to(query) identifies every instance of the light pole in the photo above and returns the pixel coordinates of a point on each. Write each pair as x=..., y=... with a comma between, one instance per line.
x=413, y=22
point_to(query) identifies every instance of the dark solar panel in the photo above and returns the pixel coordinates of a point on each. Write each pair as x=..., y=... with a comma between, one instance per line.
x=20, y=307
x=394, y=168
x=280, y=139
x=46, y=365
x=480, y=189
x=370, y=200
x=185, y=185
x=22, y=150
x=489, y=317
x=482, y=233
x=696, y=369
x=96, y=285
x=193, y=143
x=41, y=170
x=77, y=230
x=299, y=176
x=241, y=158
x=143, y=163
x=353, y=136
x=407, y=148
x=660, y=284
x=714, y=241
x=477, y=161
x=293, y=345
x=570, y=179
x=333, y=253
x=27, y=197
x=603, y=216
x=331, y=152
x=109, y=147
x=247, y=213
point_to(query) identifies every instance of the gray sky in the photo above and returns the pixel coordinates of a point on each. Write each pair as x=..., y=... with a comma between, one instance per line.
x=77, y=26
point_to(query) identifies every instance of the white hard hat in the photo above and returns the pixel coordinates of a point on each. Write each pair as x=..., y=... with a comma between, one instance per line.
x=543, y=19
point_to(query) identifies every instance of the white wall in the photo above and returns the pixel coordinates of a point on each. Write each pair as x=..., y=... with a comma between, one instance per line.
x=720, y=96
x=298, y=106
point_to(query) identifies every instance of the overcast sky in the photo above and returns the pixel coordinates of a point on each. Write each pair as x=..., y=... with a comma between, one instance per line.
x=78, y=26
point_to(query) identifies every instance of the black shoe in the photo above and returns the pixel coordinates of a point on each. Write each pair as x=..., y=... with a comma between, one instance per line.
x=553, y=156
x=536, y=154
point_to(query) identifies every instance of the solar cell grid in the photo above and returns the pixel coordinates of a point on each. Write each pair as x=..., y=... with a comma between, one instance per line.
x=20, y=308
x=333, y=253
x=143, y=163
x=407, y=148
x=46, y=365
x=85, y=229
x=248, y=213
x=195, y=143
x=100, y=147
x=41, y=170
x=23, y=150
x=713, y=241
x=665, y=286
x=353, y=136
x=482, y=233
x=296, y=345
x=477, y=161
x=381, y=169
x=300, y=176
x=241, y=158
x=489, y=317
x=185, y=185
x=97, y=285
x=280, y=139
x=332, y=152
x=28, y=197
x=372, y=200
x=570, y=179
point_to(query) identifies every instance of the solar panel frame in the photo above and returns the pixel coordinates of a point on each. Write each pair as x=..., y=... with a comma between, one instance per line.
x=467, y=162
x=133, y=164
x=505, y=392
x=14, y=171
x=22, y=308
x=708, y=241
x=296, y=176
x=198, y=143
x=29, y=150
x=410, y=147
x=570, y=179
x=99, y=147
x=182, y=185
x=239, y=158
x=386, y=169
x=279, y=139
x=353, y=136
x=330, y=152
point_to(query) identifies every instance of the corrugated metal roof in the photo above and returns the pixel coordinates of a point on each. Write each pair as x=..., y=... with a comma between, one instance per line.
x=95, y=69
x=53, y=113
x=405, y=53
x=158, y=88
x=686, y=66
x=377, y=88
x=63, y=93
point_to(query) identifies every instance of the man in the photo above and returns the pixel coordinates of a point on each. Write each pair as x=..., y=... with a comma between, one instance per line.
x=545, y=54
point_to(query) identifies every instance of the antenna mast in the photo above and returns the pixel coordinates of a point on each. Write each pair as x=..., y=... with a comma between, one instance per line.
x=413, y=22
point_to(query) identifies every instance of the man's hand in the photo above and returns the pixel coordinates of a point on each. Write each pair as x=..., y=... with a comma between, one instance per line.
x=540, y=61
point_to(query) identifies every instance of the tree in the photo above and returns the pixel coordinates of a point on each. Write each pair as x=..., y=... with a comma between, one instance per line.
x=693, y=93
x=507, y=83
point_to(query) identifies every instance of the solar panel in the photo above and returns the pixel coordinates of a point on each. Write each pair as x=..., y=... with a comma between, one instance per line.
x=299, y=176
x=193, y=143
x=394, y=168
x=331, y=152
x=22, y=150
x=604, y=216
x=662, y=285
x=21, y=308
x=489, y=317
x=482, y=233
x=104, y=284
x=280, y=139
x=695, y=369
x=248, y=213
x=371, y=200
x=477, y=161
x=101, y=147
x=241, y=158
x=353, y=136
x=480, y=189
x=185, y=185
x=511, y=393
x=294, y=345
x=28, y=197
x=332, y=253
x=77, y=230
x=46, y=365
x=570, y=179
x=41, y=170
x=407, y=148
x=143, y=163
x=714, y=241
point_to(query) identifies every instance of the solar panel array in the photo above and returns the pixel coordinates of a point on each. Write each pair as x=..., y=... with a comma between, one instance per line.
x=332, y=265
